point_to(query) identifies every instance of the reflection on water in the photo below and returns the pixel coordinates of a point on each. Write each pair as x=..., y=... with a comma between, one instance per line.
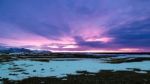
x=20, y=69
x=1, y=82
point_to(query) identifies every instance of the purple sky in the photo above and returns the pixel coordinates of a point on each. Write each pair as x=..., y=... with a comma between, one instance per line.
x=76, y=25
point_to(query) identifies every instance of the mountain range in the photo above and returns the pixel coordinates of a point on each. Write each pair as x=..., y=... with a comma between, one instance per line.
x=8, y=50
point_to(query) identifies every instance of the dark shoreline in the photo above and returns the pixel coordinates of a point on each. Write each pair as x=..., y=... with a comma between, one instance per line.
x=103, y=77
x=47, y=57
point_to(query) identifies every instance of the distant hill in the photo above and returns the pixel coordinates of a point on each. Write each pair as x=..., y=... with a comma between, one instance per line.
x=14, y=50
x=6, y=50
x=3, y=48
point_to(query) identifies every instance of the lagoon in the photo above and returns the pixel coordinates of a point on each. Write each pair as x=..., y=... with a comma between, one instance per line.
x=60, y=67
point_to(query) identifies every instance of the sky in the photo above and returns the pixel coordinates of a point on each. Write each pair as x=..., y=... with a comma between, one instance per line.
x=76, y=25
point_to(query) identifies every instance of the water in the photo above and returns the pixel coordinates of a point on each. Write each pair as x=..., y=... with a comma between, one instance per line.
x=20, y=69
x=1, y=82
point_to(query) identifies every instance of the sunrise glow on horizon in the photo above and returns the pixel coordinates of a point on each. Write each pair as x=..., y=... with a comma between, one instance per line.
x=76, y=25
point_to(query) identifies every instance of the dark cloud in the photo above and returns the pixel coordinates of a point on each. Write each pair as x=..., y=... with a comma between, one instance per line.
x=135, y=34
x=92, y=44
